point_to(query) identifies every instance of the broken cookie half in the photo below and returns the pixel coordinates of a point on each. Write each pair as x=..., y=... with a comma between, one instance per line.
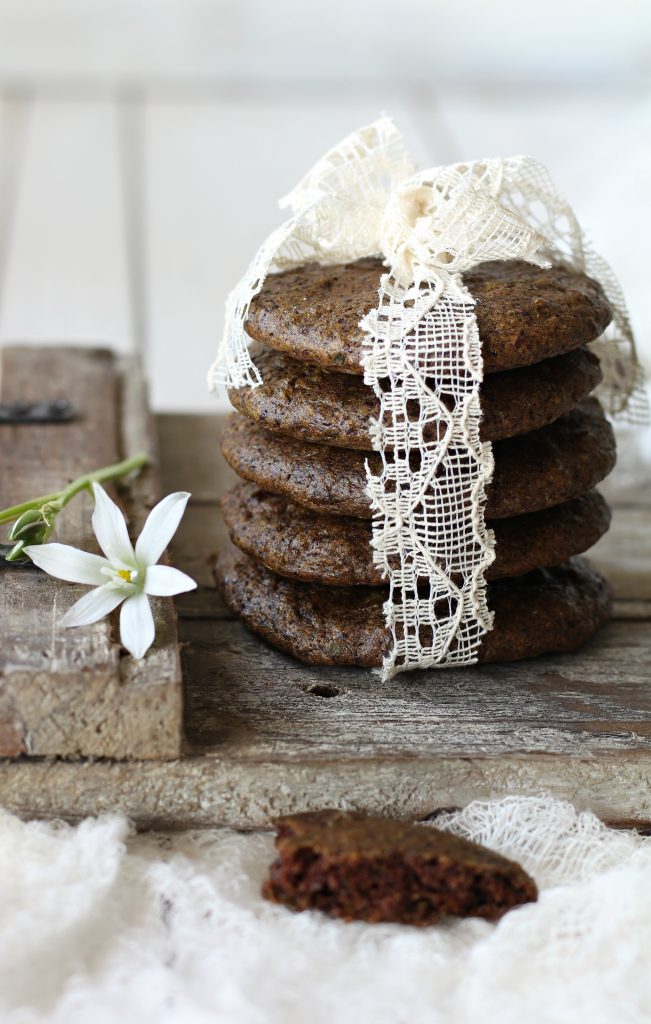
x=359, y=867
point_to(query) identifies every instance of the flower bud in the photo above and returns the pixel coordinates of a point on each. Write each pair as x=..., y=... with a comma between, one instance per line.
x=28, y=521
x=33, y=527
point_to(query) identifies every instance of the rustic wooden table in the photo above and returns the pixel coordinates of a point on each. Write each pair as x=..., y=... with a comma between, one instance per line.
x=264, y=734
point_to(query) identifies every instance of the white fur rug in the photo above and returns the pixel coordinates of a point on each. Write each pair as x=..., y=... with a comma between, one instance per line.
x=98, y=924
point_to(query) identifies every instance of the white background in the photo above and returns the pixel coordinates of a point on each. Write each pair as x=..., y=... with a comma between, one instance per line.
x=144, y=143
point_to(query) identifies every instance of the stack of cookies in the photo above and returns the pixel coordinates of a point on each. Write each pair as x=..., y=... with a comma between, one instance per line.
x=300, y=571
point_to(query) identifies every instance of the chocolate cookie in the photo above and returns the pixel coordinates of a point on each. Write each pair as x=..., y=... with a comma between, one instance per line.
x=532, y=472
x=362, y=868
x=312, y=404
x=336, y=550
x=524, y=314
x=547, y=610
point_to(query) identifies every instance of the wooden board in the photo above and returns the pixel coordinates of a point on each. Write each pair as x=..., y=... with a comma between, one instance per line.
x=66, y=268
x=266, y=735
x=70, y=692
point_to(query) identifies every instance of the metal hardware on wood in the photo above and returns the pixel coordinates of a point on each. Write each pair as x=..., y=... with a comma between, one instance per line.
x=58, y=411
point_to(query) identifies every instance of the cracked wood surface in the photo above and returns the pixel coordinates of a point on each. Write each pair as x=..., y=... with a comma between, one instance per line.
x=266, y=735
x=69, y=692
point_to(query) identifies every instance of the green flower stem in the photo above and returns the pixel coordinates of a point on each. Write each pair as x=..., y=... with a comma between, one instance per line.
x=62, y=497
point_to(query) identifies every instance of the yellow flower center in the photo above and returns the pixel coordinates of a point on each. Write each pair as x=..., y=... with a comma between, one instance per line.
x=125, y=574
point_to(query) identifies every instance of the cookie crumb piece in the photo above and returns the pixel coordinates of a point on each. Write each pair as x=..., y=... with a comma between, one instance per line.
x=360, y=867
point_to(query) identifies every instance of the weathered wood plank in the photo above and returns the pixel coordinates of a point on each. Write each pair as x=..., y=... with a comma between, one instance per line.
x=629, y=485
x=624, y=553
x=267, y=735
x=192, y=456
x=192, y=460
x=250, y=702
x=627, y=611
x=69, y=692
x=208, y=792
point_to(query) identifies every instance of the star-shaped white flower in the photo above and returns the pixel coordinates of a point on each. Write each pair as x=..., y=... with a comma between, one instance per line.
x=125, y=576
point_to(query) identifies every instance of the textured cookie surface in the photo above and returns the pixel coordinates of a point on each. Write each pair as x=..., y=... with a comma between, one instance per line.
x=336, y=550
x=532, y=472
x=359, y=867
x=524, y=314
x=548, y=610
x=312, y=404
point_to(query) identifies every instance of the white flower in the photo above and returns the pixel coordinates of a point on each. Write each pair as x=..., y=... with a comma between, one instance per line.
x=124, y=576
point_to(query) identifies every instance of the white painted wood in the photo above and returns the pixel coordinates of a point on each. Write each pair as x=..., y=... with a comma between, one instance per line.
x=66, y=267
x=14, y=115
x=214, y=174
x=598, y=149
x=378, y=40
x=85, y=257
